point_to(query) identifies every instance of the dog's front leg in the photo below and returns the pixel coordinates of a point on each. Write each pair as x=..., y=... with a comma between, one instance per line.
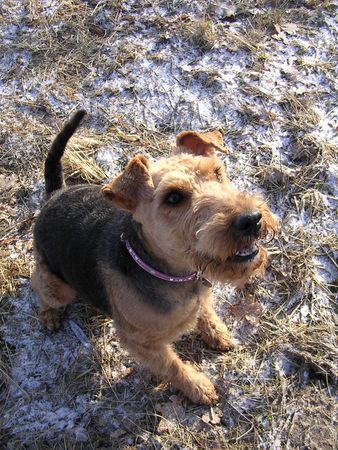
x=212, y=330
x=163, y=362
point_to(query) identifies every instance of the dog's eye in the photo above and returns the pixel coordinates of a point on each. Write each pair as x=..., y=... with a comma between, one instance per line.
x=218, y=174
x=174, y=198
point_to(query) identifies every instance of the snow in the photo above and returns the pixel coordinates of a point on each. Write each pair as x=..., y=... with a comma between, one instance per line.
x=169, y=84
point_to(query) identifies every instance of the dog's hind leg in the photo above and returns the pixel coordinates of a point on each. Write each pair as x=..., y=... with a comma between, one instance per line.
x=54, y=295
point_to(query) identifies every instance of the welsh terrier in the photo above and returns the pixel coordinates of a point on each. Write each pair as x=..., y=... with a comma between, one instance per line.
x=145, y=248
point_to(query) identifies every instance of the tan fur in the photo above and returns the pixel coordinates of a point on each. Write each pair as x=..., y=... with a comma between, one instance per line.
x=54, y=294
x=212, y=330
x=188, y=237
x=200, y=143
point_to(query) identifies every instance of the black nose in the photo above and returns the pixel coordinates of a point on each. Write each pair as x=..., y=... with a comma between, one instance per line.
x=248, y=223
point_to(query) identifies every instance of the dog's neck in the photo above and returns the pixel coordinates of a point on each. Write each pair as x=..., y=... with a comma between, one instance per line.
x=151, y=254
x=154, y=272
x=136, y=238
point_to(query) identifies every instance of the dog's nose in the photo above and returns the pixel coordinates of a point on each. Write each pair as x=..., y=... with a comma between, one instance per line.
x=248, y=223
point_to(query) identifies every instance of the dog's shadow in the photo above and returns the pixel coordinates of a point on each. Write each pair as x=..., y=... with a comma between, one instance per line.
x=192, y=348
x=100, y=356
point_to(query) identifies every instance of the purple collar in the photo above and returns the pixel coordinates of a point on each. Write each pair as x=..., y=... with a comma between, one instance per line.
x=196, y=276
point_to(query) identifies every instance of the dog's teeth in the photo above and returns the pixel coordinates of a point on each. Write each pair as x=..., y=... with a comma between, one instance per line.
x=246, y=251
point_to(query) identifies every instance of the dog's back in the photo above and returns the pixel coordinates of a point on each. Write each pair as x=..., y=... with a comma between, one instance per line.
x=181, y=220
x=77, y=234
x=70, y=225
x=66, y=237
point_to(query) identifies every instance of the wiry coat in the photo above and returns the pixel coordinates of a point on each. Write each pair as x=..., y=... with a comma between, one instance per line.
x=180, y=215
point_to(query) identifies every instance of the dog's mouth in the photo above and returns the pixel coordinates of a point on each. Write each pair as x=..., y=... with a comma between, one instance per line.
x=246, y=253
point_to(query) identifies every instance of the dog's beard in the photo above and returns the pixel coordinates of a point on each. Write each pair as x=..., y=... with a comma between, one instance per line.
x=230, y=271
x=229, y=259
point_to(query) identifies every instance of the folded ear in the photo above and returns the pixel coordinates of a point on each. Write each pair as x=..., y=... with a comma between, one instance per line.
x=199, y=144
x=132, y=185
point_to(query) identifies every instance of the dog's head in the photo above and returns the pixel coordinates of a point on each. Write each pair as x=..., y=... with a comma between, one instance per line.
x=190, y=213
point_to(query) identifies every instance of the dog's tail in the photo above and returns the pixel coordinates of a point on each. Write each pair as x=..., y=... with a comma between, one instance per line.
x=53, y=166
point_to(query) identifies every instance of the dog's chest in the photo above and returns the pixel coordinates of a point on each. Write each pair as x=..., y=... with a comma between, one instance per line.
x=168, y=312
x=185, y=312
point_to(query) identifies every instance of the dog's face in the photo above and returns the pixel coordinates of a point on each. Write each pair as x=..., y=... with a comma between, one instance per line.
x=190, y=213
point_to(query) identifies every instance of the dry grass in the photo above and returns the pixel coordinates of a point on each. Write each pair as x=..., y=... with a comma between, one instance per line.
x=309, y=345
x=200, y=34
x=308, y=149
x=295, y=269
x=154, y=142
x=13, y=267
x=79, y=164
x=300, y=115
x=247, y=40
x=275, y=389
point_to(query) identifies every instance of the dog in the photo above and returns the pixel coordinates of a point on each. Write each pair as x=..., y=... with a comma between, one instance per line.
x=145, y=248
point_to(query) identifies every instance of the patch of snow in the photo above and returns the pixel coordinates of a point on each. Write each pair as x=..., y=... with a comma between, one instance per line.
x=107, y=158
x=173, y=86
x=326, y=270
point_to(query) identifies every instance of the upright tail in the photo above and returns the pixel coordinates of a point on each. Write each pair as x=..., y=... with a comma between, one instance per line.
x=53, y=166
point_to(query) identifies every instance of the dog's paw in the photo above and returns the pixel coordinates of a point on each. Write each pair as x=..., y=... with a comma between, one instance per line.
x=219, y=340
x=201, y=391
x=51, y=318
x=218, y=337
x=195, y=386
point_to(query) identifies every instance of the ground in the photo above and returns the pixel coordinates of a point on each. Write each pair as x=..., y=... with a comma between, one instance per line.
x=261, y=72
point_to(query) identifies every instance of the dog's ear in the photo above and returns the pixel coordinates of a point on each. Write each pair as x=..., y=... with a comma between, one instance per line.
x=199, y=144
x=132, y=185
